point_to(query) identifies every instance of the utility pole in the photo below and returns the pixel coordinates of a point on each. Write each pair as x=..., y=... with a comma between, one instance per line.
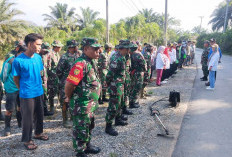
x=107, y=23
x=166, y=22
x=201, y=17
x=227, y=6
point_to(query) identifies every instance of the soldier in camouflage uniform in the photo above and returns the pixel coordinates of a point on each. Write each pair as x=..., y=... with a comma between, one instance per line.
x=1, y=95
x=13, y=52
x=147, y=73
x=52, y=61
x=115, y=80
x=62, y=70
x=84, y=87
x=45, y=49
x=138, y=67
x=103, y=62
x=204, y=60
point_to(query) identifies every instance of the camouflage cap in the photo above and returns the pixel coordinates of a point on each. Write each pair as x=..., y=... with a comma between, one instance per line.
x=108, y=45
x=90, y=42
x=133, y=44
x=72, y=43
x=57, y=43
x=18, y=43
x=124, y=44
x=45, y=46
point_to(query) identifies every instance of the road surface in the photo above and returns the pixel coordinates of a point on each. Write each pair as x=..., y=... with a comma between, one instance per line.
x=206, y=129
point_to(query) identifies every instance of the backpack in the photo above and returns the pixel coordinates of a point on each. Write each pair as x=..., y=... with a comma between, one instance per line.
x=5, y=69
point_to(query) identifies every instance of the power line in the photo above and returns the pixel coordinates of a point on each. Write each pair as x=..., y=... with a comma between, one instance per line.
x=132, y=6
x=141, y=4
x=128, y=6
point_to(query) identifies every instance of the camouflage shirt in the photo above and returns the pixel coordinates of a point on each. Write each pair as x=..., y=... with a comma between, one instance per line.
x=138, y=62
x=103, y=61
x=204, y=56
x=52, y=61
x=86, y=94
x=115, y=77
x=147, y=57
x=64, y=65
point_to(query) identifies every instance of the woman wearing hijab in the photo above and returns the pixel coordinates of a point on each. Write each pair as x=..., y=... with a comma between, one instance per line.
x=160, y=64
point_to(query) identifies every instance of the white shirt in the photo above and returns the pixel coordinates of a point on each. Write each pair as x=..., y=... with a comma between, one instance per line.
x=160, y=61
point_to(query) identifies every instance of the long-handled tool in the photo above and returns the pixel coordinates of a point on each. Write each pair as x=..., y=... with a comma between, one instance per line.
x=156, y=113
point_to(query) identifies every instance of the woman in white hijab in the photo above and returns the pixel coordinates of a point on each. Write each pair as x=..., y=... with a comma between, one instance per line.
x=160, y=64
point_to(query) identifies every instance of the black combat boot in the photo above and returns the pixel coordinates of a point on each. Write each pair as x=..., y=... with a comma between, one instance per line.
x=104, y=98
x=19, y=118
x=124, y=118
x=100, y=101
x=51, y=103
x=207, y=84
x=46, y=112
x=204, y=79
x=126, y=111
x=110, y=130
x=134, y=105
x=82, y=154
x=120, y=122
x=7, y=130
x=92, y=149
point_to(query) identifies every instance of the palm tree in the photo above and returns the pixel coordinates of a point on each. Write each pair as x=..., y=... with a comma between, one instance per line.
x=218, y=17
x=10, y=28
x=61, y=17
x=88, y=17
x=150, y=15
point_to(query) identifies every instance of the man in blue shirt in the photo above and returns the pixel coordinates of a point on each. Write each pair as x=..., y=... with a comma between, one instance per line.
x=26, y=70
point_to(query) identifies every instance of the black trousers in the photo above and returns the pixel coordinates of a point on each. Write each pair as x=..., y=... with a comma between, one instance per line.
x=32, y=112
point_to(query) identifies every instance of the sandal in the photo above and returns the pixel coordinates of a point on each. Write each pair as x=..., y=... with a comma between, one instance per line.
x=41, y=137
x=30, y=146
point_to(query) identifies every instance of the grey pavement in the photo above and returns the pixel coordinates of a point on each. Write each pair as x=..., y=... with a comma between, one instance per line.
x=206, y=129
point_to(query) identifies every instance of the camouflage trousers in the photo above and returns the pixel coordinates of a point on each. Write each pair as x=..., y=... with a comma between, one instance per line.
x=127, y=87
x=102, y=76
x=52, y=87
x=114, y=108
x=146, y=77
x=82, y=127
x=61, y=94
x=136, y=86
x=205, y=70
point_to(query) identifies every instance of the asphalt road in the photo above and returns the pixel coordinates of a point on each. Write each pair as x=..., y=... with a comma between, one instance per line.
x=206, y=129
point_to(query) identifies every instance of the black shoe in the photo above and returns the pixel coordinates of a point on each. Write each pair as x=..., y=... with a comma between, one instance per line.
x=100, y=101
x=81, y=154
x=104, y=99
x=207, y=84
x=126, y=111
x=2, y=118
x=120, y=122
x=92, y=149
x=134, y=105
x=124, y=118
x=7, y=130
x=204, y=79
x=110, y=130
x=47, y=113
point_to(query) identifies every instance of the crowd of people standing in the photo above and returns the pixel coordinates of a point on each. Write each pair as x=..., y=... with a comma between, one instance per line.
x=34, y=73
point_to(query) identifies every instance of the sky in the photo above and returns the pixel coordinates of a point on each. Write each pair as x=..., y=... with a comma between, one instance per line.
x=187, y=11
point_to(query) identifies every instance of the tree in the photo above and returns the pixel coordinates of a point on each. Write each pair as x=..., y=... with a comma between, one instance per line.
x=61, y=17
x=87, y=17
x=218, y=17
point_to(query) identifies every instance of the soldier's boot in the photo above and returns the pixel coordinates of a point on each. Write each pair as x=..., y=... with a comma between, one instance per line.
x=82, y=154
x=19, y=118
x=51, y=103
x=126, y=111
x=1, y=115
x=204, y=79
x=100, y=101
x=90, y=149
x=66, y=122
x=110, y=130
x=124, y=117
x=134, y=105
x=46, y=112
x=7, y=130
x=104, y=98
x=120, y=122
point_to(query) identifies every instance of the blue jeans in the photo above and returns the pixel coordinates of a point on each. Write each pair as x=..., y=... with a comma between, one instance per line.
x=212, y=78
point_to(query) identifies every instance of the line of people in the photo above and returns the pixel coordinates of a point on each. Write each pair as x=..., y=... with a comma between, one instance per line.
x=81, y=79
